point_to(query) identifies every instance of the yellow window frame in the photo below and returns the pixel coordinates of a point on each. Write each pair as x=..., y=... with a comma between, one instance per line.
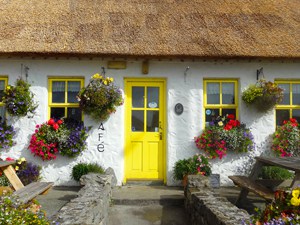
x=290, y=107
x=220, y=106
x=65, y=105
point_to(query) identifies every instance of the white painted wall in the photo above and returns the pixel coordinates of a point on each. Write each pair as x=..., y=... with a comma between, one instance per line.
x=181, y=130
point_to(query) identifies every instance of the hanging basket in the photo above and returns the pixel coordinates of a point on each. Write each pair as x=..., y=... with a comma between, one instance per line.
x=100, y=97
x=263, y=95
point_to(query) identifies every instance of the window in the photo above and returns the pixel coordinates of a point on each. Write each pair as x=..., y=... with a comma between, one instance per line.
x=3, y=84
x=62, y=98
x=220, y=98
x=290, y=105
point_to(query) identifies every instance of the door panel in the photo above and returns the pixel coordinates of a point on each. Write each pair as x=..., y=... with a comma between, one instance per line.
x=145, y=119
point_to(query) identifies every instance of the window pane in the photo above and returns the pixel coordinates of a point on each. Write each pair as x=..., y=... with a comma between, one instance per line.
x=152, y=121
x=74, y=113
x=228, y=93
x=73, y=90
x=137, y=119
x=213, y=93
x=211, y=114
x=296, y=94
x=57, y=113
x=2, y=113
x=286, y=94
x=281, y=115
x=229, y=111
x=2, y=87
x=296, y=114
x=58, y=92
x=153, y=97
x=138, y=94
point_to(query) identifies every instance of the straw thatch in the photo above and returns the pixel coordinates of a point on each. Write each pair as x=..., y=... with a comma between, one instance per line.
x=170, y=28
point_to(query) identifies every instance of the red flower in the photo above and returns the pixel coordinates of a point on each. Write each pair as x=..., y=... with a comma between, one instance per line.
x=230, y=116
x=228, y=127
x=51, y=122
x=9, y=159
x=59, y=122
x=293, y=120
x=55, y=126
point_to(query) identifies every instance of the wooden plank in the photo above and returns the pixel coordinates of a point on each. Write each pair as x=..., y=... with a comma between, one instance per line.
x=32, y=190
x=13, y=177
x=6, y=163
x=250, y=185
x=290, y=163
x=296, y=180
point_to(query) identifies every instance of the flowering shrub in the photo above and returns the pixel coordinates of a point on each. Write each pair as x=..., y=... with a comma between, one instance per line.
x=223, y=134
x=264, y=95
x=55, y=137
x=284, y=209
x=7, y=133
x=100, y=98
x=286, y=139
x=13, y=211
x=197, y=164
x=18, y=99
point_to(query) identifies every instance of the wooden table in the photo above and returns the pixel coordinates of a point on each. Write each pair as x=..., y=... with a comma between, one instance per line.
x=249, y=183
x=8, y=170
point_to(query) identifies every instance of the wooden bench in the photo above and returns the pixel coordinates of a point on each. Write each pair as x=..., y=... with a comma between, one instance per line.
x=25, y=193
x=250, y=185
x=32, y=190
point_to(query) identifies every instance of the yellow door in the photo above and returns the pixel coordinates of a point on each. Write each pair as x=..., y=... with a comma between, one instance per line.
x=145, y=126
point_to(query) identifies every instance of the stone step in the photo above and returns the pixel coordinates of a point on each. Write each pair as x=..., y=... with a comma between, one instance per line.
x=147, y=195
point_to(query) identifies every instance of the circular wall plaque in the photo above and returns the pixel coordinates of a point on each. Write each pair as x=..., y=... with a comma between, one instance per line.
x=178, y=108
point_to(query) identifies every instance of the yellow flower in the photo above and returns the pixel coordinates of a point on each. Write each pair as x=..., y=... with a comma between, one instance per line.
x=111, y=79
x=105, y=82
x=23, y=159
x=96, y=76
x=220, y=123
x=16, y=168
x=8, y=87
x=296, y=198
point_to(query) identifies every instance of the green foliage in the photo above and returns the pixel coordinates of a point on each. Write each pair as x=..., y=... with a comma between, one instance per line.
x=18, y=99
x=100, y=98
x=197, y=164
x=275, y=173
x=264, y=95
x=84, y=168
x=13, y=212
x=251, y=93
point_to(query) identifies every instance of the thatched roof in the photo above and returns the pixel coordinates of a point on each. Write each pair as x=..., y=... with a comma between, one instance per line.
x=166, y=28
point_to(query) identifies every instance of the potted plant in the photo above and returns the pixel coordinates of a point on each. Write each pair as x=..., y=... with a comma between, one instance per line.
x=18, y=99
x=264, y=95
x=223, y=134
x=100, y=97
x=274, y=176
x=197, y=164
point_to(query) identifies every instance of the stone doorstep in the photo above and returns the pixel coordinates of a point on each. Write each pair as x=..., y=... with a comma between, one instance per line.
x=176, y=201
